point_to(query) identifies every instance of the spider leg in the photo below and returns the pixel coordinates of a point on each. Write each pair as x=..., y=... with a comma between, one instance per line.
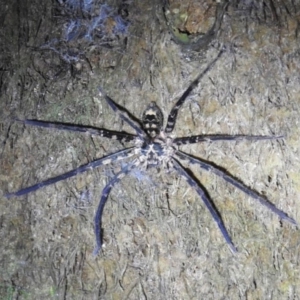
x=120, y=136
x=212, y=138
x=123, y=115
x=103, y=199
x=94, y=164
x=229, y=178
x=173, y=114
x=215, y=214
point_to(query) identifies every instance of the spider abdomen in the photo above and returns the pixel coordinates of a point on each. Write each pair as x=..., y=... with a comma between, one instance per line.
x=152, y=120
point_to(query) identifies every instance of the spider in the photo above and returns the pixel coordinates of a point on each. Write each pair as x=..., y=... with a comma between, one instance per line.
x=154, y=147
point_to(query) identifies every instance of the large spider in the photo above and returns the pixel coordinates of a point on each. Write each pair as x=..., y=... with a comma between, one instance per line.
x=154, y=147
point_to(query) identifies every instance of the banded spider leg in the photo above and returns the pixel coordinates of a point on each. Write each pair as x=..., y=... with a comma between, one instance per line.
x=98, y=217
x=209, y=204
x=122, y=154
x=174, y=111
x=209, y=166
x=229, y=178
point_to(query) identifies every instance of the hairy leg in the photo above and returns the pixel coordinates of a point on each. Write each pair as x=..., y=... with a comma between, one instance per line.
x=173, y=114
x=215, y=214
x=103, y=199
x=94, y=164
x=229, y=178
x=123, y=115
x=114, y=135
x=221, y=137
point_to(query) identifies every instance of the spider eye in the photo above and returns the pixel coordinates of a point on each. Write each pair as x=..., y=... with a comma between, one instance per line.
x=152, y=120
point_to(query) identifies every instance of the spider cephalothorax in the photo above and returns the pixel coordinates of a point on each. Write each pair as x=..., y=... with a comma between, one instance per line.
x=154, y=148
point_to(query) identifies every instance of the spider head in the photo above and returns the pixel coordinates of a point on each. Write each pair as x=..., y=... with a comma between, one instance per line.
x=152, y=120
